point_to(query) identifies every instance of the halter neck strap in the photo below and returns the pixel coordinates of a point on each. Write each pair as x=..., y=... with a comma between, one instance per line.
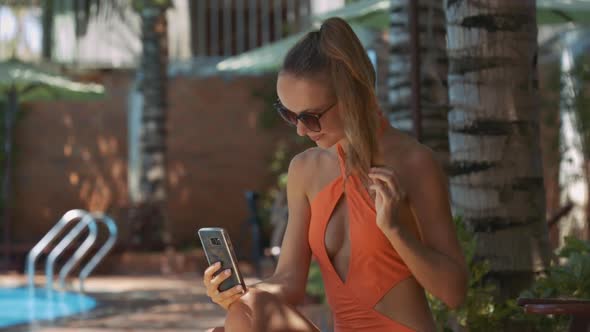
x=341, y=160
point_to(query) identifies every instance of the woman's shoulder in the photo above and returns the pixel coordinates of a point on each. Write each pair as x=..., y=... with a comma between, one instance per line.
x=312, y=166
x=310, y=159
x=416, y=167
x=408, y=156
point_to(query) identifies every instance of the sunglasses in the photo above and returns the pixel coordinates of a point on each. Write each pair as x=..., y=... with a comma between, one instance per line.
x=310, y=120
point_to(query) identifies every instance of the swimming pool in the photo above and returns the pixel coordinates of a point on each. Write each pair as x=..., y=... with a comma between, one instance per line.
x=21, y=305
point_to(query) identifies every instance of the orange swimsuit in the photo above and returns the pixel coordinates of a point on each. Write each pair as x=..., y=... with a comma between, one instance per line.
x=374, y=266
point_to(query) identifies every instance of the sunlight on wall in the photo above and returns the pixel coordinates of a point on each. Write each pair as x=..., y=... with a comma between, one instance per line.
x=185, y=195
x=175, y=174
x=252, y=119
x=67, y=150
x=74, y=179
x=100, y=181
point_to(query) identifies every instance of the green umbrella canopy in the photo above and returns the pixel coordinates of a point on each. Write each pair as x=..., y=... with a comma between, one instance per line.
x=34, y=82
x=270, y=57
x=562, y=11
x=372, y=14
x=375, y=13
x=365, y=16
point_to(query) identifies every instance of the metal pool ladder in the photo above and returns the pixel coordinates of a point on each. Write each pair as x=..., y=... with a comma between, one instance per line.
x=84, y=220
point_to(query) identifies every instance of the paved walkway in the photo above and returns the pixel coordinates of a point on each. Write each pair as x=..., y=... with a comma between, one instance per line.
x=130, y=303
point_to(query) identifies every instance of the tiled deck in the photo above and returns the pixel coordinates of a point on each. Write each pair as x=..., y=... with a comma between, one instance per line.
x=131, y=303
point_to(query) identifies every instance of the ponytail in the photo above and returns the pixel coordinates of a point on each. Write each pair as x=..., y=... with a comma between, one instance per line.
x=337, y=52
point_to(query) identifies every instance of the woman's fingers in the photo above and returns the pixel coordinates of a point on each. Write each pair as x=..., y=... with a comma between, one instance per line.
x=382, y=170
x=230, y=293
x=208, y=275
x=216, y=281
x=388, y=177
x=386, y=189
x=381, y=190
x=230, y=300
x=226, y=298
x=212, y=282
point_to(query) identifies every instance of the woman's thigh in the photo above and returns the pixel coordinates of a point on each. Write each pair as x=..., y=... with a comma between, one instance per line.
x=263, y=311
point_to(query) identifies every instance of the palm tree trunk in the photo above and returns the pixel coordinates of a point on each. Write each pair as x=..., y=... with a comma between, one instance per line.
x=586, y=234
x=147, y=215
x=572, y=166
x=549, y=139
x=47, y=23
x=496, y=174
x=576, y=138
x=10, y=113
x=433, y=96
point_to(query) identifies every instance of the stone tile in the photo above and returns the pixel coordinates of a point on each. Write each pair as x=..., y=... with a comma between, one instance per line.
x=133, y=303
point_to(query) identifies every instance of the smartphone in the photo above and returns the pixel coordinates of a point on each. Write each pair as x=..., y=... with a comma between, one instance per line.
x=218, y=248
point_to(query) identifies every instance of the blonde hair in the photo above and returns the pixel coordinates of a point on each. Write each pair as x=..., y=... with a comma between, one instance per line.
x=335, y=50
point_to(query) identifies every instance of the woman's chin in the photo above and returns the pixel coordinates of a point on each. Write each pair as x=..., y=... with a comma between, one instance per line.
x=323, y=144
x=323, y=141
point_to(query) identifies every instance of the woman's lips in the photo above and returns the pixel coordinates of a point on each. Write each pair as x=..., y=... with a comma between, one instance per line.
x=315, y=138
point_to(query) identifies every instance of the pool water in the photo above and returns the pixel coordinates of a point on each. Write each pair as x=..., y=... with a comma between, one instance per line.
x=21, y=305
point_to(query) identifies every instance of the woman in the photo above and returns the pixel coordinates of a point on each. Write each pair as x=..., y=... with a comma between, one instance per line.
x=369, y=203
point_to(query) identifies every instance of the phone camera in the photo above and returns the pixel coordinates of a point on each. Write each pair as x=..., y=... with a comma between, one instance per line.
x=215, y=241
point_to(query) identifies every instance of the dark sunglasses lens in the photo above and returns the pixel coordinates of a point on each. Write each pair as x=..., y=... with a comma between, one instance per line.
x=287, y=115
x=311, y=122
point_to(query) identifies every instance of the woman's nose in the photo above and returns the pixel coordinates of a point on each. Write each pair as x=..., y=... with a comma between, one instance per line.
x=301, y=129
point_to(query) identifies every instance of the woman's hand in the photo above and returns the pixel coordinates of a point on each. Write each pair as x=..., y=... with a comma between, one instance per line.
x=223, y=299
x=388, y=195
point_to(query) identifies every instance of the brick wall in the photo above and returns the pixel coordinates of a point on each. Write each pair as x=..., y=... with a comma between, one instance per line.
x=74, y=155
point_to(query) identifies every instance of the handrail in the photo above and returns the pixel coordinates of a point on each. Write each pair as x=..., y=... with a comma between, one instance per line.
x=86, y=221
x=578, y=309
x=103, y=250
x=78, y=254
x=106, y=247
x=46, y=240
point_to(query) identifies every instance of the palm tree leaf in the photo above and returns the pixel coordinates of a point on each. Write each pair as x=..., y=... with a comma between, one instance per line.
x=35, y=82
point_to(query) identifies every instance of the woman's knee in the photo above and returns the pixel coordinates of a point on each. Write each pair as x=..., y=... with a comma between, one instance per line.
x=247, y=314
x=263, y=311
x=240, y=314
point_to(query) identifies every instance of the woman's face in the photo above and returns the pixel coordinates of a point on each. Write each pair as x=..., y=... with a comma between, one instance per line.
x=312, y=96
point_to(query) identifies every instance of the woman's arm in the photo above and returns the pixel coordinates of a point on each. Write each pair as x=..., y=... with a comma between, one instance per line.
x=437, y=261
x=290, y=277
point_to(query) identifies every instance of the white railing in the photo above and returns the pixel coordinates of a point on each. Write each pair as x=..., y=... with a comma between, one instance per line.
x=106, y=34
x=225, y=27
